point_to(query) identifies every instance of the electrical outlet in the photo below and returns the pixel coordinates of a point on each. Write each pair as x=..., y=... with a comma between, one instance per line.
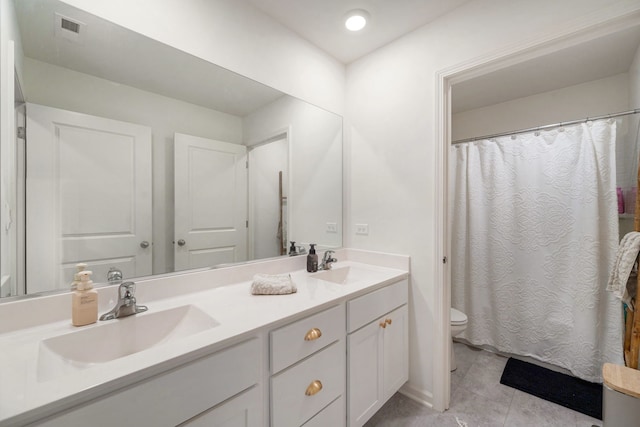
x=362, y=229
x=332, y=227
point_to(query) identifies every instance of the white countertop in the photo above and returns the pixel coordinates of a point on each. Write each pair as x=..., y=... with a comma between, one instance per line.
x=25, y=397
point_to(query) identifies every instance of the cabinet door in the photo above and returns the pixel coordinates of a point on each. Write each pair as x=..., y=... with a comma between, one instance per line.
x=364, y=389
x=396, y=350
x=173, y=397
x=331, y=416
x=240, y=411
x=378, y=364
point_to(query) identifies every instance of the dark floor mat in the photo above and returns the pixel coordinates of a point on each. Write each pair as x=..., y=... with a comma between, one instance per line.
x=565, y=390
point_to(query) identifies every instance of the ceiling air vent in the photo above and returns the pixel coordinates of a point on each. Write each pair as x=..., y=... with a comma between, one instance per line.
x=68, y=28
x=70, y=25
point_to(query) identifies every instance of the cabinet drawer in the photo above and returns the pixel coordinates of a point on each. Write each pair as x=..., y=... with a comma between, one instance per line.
x=243, y=410
x=173, y=397
x=290, y=343
x=333, y=415
x=366, y=308
x=290, y=404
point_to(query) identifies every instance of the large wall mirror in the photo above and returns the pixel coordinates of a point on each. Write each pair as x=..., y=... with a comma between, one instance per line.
x=146, y=159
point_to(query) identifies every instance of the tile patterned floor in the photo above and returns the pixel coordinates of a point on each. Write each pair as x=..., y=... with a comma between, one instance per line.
x=479, y=400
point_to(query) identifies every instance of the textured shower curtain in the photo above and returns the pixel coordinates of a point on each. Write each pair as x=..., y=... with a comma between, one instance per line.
x=534, y=236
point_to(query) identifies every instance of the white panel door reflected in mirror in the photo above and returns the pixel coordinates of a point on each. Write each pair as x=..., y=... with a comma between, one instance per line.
x=210, y=202
x=88, y=199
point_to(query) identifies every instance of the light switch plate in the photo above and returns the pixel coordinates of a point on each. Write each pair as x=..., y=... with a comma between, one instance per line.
x=332, y=227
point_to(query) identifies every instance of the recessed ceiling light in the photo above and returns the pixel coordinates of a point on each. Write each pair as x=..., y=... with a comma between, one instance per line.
x=356, y=20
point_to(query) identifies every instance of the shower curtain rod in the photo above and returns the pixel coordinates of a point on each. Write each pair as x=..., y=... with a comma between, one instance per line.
x=555, y=125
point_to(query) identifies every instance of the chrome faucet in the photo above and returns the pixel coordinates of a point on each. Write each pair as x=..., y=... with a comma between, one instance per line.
x=114, y=275
x=327, y=260
x=126, y=305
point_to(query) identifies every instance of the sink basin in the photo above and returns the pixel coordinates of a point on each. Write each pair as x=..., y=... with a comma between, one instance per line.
x=341, y=276
x=118, y=338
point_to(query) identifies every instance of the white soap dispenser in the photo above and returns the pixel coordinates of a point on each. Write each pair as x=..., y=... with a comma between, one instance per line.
x=84, y=303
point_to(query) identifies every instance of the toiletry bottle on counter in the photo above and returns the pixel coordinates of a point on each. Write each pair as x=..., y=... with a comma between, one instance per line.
x=312, y=259
x=84, y=303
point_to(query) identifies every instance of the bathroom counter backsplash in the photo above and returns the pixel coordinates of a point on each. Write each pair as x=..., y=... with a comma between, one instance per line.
x=223, y=294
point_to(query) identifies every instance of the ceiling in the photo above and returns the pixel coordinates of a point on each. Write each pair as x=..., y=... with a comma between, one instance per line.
x=321, y=22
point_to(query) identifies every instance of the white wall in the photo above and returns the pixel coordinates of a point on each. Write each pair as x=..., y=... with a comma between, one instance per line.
x=391, y=132
x=235, y=36
x=9, y=30
x=598, y=97
x=316, y=165
x=58, y=87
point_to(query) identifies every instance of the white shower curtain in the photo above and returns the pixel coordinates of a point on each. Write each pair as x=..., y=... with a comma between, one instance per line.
x=534, y=236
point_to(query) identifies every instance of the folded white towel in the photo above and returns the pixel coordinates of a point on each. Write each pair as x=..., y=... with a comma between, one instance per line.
x=625, y=258
x=273, y=284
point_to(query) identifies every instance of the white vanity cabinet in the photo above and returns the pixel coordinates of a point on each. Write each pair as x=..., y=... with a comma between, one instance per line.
x=377, y=348
x=219, y=387
x=308, y=371
x=330, y=355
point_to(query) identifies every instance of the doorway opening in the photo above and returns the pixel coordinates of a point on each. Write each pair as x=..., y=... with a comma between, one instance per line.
x=269, y=201
x=502, y=62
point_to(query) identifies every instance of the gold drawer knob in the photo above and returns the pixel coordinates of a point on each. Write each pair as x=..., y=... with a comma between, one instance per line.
x=383, y=325
x=388, y=321
x=313, y=334
x=313, y=388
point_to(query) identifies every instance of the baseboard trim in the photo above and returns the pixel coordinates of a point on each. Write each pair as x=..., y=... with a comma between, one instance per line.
x=422, y=397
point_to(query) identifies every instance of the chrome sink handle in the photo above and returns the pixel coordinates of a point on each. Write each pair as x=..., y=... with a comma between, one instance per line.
x=127, y=291
x=327, y=260
x=126, y=305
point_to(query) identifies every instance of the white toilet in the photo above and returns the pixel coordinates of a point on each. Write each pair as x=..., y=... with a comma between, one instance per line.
x=458, y=325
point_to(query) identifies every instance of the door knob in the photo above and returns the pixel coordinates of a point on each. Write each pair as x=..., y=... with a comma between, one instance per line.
x=144, y=244
x=181, y=242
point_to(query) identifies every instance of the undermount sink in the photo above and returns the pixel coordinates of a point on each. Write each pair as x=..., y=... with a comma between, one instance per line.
x=118, y=338
x=341, y=276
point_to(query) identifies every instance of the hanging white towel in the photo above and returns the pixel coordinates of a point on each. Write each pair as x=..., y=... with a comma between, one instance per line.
x=273, y=284
x=625, y=258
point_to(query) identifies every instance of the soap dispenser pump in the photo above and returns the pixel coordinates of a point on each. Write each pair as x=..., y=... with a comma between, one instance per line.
x=292, y=249
x=84, y=303
x=76, y=277
x=312, y=259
